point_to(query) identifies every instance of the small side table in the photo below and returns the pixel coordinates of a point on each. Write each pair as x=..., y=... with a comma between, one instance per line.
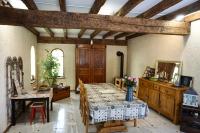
x=190, y=120
x=60, y=93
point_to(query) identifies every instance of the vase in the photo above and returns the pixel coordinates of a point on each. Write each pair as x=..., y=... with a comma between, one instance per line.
x=129, y=94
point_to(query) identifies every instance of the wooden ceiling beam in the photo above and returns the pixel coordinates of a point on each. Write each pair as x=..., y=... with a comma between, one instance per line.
x=122, y=35
x=94, y=10
x=163, y=5
x=49, y=31
x=122, y=12
x=33, y=30
x=62, y=40
x=158, y=8
x=30, y=4
x=55, y=19
x=62, y=5
x=184, y=11
x=63, y=8
x=192, y=17
x=134, y=35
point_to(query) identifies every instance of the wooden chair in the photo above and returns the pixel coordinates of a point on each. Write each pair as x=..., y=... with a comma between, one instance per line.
x=118, y=82
x=81, y=86
x=86, y=113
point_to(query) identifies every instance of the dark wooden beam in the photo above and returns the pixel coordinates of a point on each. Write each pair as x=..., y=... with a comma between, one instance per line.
x=49, y=31
x=55, y=19
x=163, y=5
x=134, y=35
x=185, y=10
x=33, y=30
x=94, y=10
x=61, y=40
x=158, y=8
x=95, y=33
x=110, y=33
x=122, y=35
x=192, y=17
x=122, y=12
x=63, y=9
x=128, y=7
x=62, y=5
x=30, y=4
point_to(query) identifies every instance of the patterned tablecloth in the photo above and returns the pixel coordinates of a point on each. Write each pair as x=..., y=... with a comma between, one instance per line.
x=107, y=102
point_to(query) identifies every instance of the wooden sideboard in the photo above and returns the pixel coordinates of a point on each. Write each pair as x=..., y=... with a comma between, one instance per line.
x=162, y=97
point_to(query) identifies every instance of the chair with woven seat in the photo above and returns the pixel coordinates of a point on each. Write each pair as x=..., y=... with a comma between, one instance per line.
x=37, y=106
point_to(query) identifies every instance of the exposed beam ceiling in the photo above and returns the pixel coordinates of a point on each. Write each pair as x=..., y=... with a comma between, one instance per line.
x=94, y=10
x=61, y=40
x=31, y=29
x=185, y=10
x=55, y=19
x=30, y=4
x=155, y=10
x=62, y=4
x=122, y=12
x=192, y=17
x=158, y=8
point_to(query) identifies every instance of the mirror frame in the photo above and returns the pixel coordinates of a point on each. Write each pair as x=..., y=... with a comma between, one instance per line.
x=167, y=61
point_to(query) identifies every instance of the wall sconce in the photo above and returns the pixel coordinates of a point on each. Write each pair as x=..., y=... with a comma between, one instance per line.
x=91, y=42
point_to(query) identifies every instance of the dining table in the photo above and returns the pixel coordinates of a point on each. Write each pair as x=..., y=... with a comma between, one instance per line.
x=33, y=96
x=107, y=105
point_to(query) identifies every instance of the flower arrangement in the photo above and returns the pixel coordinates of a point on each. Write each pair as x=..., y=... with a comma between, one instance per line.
x=130, y=81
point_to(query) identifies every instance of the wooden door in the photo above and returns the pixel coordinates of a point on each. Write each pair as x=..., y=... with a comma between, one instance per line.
x=91, y=63
x=83, y=63
x=167, y=103
x=98, y=64
x=153, y=99
x=142, y=93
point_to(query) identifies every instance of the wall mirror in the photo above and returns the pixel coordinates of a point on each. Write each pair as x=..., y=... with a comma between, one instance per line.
x=168, y=70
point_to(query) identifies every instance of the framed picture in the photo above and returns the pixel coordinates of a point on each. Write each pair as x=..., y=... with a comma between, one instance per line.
x=190, y=100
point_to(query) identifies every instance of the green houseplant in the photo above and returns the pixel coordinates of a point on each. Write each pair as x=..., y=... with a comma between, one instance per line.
x=49, y=68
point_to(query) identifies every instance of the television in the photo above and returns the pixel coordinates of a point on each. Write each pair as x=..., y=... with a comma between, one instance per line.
x=185, y=80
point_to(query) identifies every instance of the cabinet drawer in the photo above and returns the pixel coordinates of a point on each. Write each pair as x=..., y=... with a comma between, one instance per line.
x=145, y=84
x=167, y=91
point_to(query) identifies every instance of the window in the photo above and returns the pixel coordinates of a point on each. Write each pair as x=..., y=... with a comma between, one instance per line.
x=57, y=53
x=32, y=62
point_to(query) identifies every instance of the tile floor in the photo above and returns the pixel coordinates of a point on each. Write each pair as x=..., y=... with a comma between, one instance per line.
x=65, y=118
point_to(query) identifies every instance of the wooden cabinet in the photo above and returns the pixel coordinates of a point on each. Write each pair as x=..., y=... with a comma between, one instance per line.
x=60, y=93
x=91, y=63
x=153, y=98
x=162, y=97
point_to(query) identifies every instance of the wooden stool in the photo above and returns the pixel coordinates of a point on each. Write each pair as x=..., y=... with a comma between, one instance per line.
x=37, y=106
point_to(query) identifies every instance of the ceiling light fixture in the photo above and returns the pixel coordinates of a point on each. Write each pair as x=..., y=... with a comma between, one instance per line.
x=179, y=17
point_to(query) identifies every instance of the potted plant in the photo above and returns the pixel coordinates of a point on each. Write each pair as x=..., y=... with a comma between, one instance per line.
x=49, y=68
x=130, y=83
